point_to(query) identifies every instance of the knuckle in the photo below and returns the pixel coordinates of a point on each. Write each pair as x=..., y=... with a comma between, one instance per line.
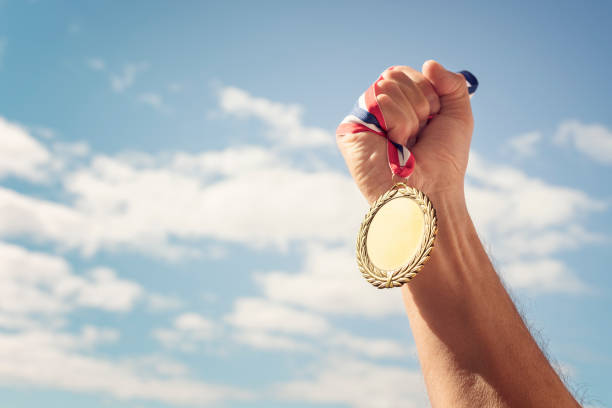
x=384, y=99
x=387, y=86
x=398, y=76
x=405, y=68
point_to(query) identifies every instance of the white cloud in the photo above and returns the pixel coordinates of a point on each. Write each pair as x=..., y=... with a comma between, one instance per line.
x=506, y=199
x=43, y=220
x=266, y=324
x=157, y=364
x=284, y=121
x=96, y=64
x=21, y=155
x=39, y=283
x=37, y=290
x=261, y=314
x=157, y=301
x=545, y=275
x=593, y=140
x=264, y=203
x=330, y=282
x=528, y=219
x=154, y=100
x=88, y=338
x=371, y=347
x=189, y=329
x=263, y=340
x=104, y=290
x=524, y=145
x=47, y=360
x=121, y=82
x=358, y=384
x=195, y=323
x=227, y=162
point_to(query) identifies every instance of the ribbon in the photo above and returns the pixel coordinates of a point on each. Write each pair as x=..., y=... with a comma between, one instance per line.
x=366, y=116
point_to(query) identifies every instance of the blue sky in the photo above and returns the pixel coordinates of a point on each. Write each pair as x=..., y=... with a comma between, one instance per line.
x=177, y=227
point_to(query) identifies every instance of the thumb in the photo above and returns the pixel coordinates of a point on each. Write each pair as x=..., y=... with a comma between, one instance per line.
x=452, y=90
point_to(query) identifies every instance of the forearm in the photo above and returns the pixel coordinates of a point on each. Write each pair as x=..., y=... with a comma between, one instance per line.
x=473, y=346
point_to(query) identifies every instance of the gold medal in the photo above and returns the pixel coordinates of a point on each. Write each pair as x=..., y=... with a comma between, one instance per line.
x=396, y=237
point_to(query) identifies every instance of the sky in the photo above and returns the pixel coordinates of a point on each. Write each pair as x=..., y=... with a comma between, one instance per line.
x=177, y=227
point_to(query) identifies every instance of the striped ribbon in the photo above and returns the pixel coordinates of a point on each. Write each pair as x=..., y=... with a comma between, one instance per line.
x=366, y=116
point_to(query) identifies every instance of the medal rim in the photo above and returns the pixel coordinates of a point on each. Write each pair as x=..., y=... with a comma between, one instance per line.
x=384, y=278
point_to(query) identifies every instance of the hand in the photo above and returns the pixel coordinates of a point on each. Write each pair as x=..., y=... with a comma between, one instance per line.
x=407, y=98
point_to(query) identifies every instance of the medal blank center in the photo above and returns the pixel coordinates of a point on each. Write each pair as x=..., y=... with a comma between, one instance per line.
x=395, y=233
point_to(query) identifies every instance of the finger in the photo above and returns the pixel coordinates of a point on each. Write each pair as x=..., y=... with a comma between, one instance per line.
x=424, y=85
x=452, y=88
x=412, y=97
x=402, y=123
x=394, y=90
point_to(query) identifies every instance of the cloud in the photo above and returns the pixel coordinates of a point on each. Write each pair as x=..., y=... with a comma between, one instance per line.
x=189, y=329
x=263, y=340
x=595, y=140
x=266, y=324
x=356, y=383
x=22, y=215
x=47, y=360
x=38, y=290
x=284, y=121
x=35, y=283
x=86, y=339
x=157, y=364
x=124, y=80
x=21, y=155
x=372, y=347
x=545, y=275
x=261, y=314
x=154, y=100
x=528, y=219
x=524, y=145
x=104, y=290
x=96, y=64
x=264, y=203
x=329, y=282
x=157, y=302
x=505, y=201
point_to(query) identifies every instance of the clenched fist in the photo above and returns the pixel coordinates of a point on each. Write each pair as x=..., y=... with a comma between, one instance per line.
x=440, y=145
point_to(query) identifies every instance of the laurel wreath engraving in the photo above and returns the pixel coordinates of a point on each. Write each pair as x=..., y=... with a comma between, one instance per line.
x=389, y=279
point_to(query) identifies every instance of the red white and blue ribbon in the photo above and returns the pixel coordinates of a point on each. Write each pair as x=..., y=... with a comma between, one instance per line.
x=366, y=116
